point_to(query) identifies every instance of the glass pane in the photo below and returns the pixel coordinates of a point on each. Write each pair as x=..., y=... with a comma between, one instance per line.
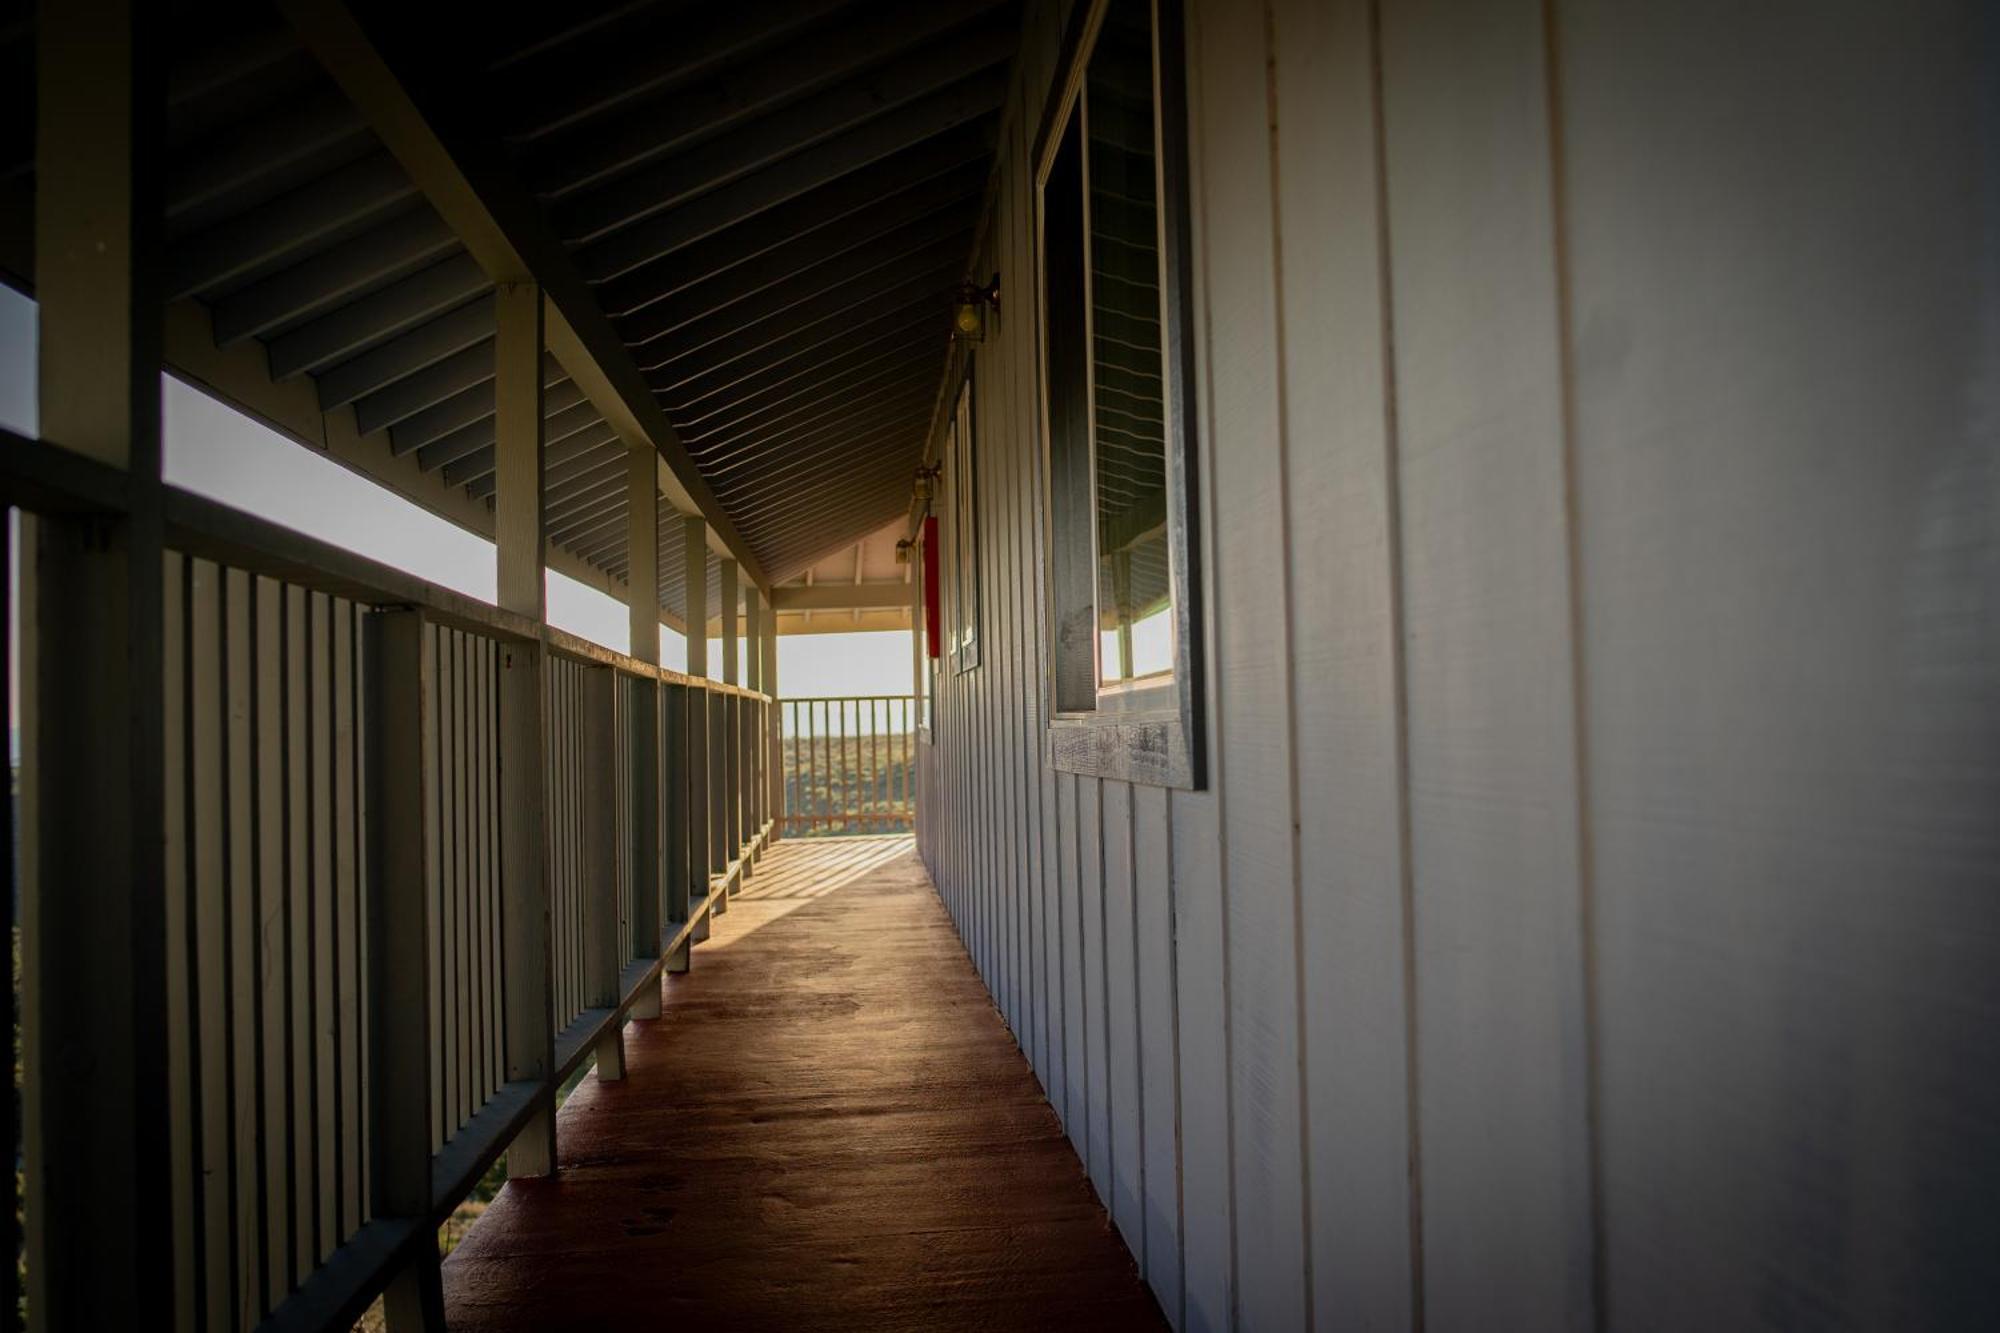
x=1072, y=556
x=965, y=517
x=1134, y=592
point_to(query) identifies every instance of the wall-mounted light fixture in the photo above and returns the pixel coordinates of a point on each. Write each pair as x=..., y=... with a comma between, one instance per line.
x=926, y=484
x=903, y=550
x=968, y=313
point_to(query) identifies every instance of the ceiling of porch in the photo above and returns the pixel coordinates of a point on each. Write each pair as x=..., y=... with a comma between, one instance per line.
x=766, y=206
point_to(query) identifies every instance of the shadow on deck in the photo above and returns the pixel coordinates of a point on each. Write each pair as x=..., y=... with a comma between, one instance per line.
x=829, y=1127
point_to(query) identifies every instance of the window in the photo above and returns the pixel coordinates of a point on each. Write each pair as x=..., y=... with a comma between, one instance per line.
x=1111, y=191
x=964, y=637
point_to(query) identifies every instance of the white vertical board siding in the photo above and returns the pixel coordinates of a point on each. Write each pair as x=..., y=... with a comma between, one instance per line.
x=1238, y=266
x=1157, y=1247
x=1791, y=656
x=1590, y=918
x=1121, y=1019
x=1075, y=1049
x=1500, y=1021
x=1346, y=653
x=1096, y=1085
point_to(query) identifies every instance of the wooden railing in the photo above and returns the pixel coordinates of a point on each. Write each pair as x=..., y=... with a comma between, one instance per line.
x=423, y=857
x=847, y=764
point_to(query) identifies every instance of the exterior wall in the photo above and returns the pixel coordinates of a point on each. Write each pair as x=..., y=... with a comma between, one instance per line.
x=1593, y=914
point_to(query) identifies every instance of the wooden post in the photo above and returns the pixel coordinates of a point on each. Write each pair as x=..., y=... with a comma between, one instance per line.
x=601, y=954
x=729, y=765
x=675, y=842
x=774, y=741
x=718, y=804
x=400, y=661
x=753, y=671
x=100, y=1218
x=753, y=660
x=518, y=531
x=701, y=839
x=726, y=614
x=642, y=542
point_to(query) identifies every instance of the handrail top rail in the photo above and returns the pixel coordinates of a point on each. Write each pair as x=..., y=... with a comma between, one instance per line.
x=43, y=477
x=841, y=698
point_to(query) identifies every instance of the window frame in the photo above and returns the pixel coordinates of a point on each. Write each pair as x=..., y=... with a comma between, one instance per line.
x=961, y=475
x=1147, y=730
x=927, y=665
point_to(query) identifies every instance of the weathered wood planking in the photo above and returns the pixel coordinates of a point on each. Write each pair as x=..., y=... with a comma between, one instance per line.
x=881, y=1136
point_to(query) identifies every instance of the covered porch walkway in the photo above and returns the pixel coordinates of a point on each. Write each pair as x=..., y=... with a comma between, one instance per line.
x=827, y=1127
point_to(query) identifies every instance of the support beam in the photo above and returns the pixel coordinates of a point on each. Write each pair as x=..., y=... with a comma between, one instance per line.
x=676, y=827
x=749, y=743
x=774, y=734
x=518, y=532
x=401, y=667
x=730, y=601
x=871, y=596
x=694, y=570
x=517, y=401
x=703, y=845
x=642, y=550
x=601, y=952
x=795, y=623
x=642, y=581
x=96, y=1024
x=723, y=730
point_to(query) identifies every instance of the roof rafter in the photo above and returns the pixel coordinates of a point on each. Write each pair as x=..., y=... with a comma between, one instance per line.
x=502, y=226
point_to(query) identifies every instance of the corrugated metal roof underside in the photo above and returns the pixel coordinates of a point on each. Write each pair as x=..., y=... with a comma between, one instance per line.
x=773, y=204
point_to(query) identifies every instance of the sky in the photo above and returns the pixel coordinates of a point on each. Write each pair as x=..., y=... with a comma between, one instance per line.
x=212, y=449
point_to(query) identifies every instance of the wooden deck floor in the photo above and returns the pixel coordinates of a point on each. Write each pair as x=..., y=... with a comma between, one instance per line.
x=828, y=1127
